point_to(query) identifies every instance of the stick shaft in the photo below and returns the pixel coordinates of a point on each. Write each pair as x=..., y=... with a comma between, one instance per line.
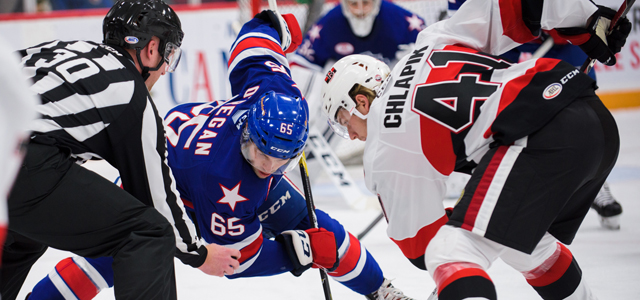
x=366, y=230
x=434, y=294
x=306, y=185
x=273, y=5
x=544, y=48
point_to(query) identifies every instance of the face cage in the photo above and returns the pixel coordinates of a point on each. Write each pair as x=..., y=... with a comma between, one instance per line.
x=245, y=144
x=172, y=54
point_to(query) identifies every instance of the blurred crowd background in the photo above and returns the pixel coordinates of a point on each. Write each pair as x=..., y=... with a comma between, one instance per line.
x=16, y=6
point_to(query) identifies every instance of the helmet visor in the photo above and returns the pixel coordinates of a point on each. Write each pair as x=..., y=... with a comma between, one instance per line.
x=340, y=124
x=172, y=54
x=339, y=129
x=266, y=164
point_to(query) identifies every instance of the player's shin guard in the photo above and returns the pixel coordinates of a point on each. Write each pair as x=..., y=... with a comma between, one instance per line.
x=358, y=270
x=75, y=278
x=559, y=277
x=462, y=280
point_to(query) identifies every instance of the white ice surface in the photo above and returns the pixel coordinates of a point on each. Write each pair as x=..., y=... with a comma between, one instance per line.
x=610, y=260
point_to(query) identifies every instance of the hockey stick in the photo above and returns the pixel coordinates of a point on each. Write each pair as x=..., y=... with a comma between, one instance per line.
x=332, y=165
x=543, y=49
x=434, y=294
x=304, y=173
x=373, y=223
x=622, y=12
x=273, y=5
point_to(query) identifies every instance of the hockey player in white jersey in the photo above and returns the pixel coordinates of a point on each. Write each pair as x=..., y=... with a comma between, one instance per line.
x=608, y=208
x=351, y=27
x=535, y=138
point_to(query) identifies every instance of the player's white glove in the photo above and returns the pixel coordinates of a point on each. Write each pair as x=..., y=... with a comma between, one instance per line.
x=287, y=26
x=314, y=247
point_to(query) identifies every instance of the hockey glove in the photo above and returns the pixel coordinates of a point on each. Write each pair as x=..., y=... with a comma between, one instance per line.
x=595, y=40
x=315, y=247
x=286, y=25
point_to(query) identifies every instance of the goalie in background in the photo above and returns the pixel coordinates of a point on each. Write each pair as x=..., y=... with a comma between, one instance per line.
x=229, y=159
x=535, y=138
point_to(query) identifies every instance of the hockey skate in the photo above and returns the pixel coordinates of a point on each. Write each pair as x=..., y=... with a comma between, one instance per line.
x=609, y=210
x=387, y=292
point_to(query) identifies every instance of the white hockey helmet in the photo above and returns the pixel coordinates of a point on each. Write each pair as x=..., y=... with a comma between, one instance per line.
x=361, y=14
x=343, y=75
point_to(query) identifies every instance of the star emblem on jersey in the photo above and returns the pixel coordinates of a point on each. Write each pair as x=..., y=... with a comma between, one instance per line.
x=415, y=23
x=232, y=196
x=314, y=32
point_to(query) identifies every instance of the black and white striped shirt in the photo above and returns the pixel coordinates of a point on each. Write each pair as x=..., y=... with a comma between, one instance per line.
x=95, y=103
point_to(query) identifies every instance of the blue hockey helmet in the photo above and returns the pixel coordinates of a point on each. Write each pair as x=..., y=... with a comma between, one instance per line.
x=278, y=125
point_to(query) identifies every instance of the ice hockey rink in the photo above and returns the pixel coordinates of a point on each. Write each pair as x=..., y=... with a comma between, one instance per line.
x=610, y=260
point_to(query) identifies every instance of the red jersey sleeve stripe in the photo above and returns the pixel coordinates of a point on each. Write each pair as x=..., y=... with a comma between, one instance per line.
x=76, y=279
x=577, y=39
x=254, y=42
x=250, y=250
x=350, y=259
x=512, y=24
x=414, y=247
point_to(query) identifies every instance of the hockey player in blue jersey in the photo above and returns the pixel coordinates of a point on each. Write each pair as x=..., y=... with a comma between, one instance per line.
x=228, y=159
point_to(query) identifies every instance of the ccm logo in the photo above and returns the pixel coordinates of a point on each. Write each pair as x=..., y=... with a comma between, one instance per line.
x=279, y=150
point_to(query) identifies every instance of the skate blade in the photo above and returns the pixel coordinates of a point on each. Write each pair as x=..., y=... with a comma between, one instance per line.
x=612, y=223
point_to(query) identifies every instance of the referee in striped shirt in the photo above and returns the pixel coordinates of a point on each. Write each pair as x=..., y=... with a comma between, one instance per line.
x=96, y=105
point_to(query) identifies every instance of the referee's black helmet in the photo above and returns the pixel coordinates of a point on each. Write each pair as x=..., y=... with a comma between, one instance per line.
x=131, y=24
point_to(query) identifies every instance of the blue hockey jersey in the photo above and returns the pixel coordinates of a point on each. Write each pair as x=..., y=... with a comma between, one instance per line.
x=213, y=178
x=331, y=38
x=229, y=203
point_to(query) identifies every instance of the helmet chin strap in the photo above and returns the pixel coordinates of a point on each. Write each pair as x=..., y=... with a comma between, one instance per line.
x=145, y=70
x=359, y=114
x=355, y=111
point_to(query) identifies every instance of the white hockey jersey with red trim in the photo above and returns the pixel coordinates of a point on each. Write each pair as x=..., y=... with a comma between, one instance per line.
x=446, y=102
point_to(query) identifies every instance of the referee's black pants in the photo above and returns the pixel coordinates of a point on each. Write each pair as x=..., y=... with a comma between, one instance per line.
x=57, y=203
